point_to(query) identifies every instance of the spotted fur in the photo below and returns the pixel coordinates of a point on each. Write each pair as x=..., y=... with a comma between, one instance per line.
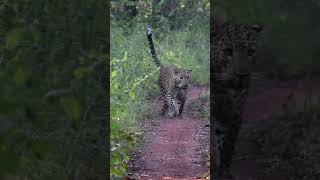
x=173, y=82
x=233, y=52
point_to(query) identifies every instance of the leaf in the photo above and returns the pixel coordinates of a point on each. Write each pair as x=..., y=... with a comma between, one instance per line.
x=115, y=85
x=19, y=76
x=13, y=38
x=113, y=74
x=80, y=72
x=72, y=108
x=133, y=95
x=130, y=138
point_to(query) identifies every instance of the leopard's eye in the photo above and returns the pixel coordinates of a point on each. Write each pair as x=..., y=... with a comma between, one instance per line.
x=228, y=52
x=251, y=52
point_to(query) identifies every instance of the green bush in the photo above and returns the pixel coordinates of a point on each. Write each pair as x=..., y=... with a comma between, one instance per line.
x=132, y=75
x=188, y=48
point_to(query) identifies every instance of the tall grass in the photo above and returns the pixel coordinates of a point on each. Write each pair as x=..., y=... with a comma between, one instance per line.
x=189, y=48
x=134, y=79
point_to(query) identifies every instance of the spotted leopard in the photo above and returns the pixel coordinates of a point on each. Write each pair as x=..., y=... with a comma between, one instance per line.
x=232, y=52
x=173, y=82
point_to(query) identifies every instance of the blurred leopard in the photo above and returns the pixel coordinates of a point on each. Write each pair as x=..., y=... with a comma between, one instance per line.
x=173, y=82
x=233, y=49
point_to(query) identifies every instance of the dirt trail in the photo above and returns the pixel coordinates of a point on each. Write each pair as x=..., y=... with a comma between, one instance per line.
x=174, y=146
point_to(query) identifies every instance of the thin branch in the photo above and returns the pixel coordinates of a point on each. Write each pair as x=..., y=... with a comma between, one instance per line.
x=56, y=92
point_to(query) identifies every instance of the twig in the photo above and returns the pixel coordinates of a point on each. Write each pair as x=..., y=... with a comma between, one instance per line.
x=56, y=92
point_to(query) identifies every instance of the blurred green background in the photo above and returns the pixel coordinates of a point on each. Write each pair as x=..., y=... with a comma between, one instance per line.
x=53, y=59
x=290, y=40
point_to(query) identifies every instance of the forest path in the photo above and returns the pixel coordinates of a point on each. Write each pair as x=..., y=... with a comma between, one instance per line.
x=175, y=148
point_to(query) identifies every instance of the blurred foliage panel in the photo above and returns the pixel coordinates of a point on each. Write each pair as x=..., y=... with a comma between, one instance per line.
x=53, y=56
x=290, y=40
x=164, y=14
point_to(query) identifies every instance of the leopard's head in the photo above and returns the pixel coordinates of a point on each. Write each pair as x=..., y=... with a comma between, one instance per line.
x=243, y=52
x=183, y=77
x=235, y=49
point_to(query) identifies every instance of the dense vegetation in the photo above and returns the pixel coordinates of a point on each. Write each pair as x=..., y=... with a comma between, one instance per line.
x=181, y=37
x=53, y=57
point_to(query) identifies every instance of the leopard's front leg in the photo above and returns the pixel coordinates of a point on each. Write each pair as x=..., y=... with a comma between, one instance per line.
x=172, y=107
x=182, y=99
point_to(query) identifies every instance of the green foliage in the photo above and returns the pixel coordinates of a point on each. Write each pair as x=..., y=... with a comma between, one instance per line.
x=132, y=75
x=292, y=140
x=163, y=14
x=52, y=105
x=188, y=48
x=13, y=38
x=72, y=108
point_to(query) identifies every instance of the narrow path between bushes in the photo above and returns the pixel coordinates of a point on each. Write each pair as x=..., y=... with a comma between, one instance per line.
x=175, y=147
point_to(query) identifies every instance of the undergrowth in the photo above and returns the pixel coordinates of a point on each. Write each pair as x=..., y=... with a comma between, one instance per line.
x=292, y=141
x=201, y=106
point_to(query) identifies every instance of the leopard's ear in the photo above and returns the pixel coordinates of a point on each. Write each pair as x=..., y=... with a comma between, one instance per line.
x=189, y=70
x=257, y=28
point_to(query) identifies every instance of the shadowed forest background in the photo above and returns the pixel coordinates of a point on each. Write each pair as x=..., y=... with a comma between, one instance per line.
x=53, y=59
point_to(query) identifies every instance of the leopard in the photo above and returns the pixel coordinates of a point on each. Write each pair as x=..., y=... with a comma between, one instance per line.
x=232, y=54
x=173, y=83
